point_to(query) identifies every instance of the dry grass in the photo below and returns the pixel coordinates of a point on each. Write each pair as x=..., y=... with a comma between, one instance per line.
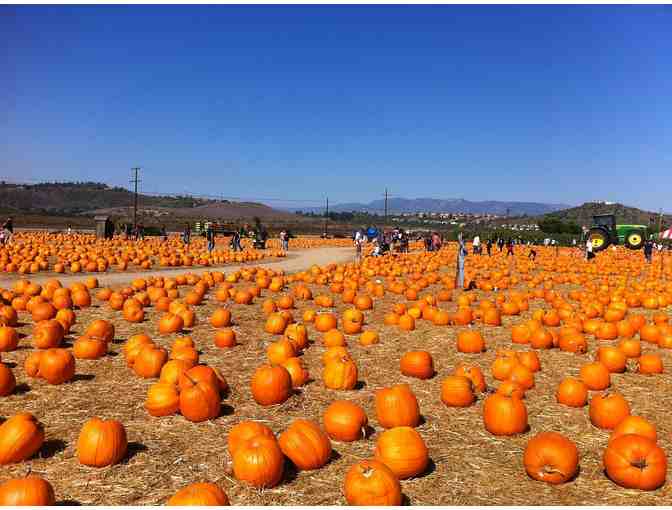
x=469, y=466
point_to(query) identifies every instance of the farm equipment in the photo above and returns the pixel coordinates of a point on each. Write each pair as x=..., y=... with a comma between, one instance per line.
x=605, y=232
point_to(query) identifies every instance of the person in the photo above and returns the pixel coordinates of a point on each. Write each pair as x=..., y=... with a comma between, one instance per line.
x=235, y=241
x=648, y=249
x=589, y=249
x=500, y=244
x=477, y=245
x=141, y=231
x=533, y=254
x=428, y=242
x=403, y=241
x=509, y=247
x=8, y=230
x=461, y=254
x=210, y=237
x=284, y=240
x=69, y=229
x=186, y=234
x=359, y=242
x=164, y=233
x=436, y=241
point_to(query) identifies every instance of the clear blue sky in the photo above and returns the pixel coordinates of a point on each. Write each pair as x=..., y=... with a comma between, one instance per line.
x=549, y=103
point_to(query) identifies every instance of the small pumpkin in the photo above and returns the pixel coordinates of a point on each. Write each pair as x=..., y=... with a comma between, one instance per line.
x=572, y=392
x=271, y=385
x=504, y=416
x=345, y=421
x=397, y=406
x=635, y=462
x=21, y=436
x=417, y=364
x=403, y=451
x=259, y=462
x=457, y=391
x=163, y=399
x=340, y=374
x=246, y=430
x=199, y=494
x=608, y=410
x=200, y=402
x=372, y=483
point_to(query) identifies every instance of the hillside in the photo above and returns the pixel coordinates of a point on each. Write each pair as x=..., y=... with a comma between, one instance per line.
x=451, y=205
x=89, y=198
x=583, y=214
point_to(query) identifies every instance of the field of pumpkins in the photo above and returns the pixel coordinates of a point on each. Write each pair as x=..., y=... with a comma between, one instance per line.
x=369, y=384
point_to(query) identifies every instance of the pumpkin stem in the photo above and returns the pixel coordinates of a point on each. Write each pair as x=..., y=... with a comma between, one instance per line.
x=639, y=463
x=367, y=472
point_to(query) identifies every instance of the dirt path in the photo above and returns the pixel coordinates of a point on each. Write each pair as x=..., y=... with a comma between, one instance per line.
x=296, y=261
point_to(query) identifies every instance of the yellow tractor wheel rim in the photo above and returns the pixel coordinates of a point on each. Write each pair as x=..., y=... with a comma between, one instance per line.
x=597, y=241
x=634, y=239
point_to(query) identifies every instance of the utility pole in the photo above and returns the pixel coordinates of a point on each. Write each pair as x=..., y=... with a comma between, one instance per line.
x=326, y=218
x=135, y=182
x=385, y=206
x=660, y=241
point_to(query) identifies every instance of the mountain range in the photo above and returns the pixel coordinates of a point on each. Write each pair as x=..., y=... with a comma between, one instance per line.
x=449, y=205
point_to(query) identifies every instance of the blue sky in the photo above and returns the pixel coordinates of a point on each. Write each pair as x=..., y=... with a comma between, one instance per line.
x=558, y=104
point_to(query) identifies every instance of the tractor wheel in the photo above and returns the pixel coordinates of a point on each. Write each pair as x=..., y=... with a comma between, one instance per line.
x=634, y=240
x=599, y=237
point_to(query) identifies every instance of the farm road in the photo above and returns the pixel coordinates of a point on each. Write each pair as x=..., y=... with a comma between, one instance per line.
x=296, y=261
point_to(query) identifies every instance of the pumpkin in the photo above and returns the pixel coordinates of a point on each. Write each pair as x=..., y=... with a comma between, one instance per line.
x=297, y=371
x=259, y=462
x=102, y=329
x=650, y=364
x=199, y=402
x=551, y=457
x=170, y=323
x=21, y=436
x=305, y=444
x=345, y=421
x=406, y=322
x=171, y=371
x=246, y=430
x=220, y=318
x=403, y=451
x=635, y=462
x=275, y=324
x=572, y=392
x=523, y=376
x=30, y=491
x=608, y=410
x=334, y=338
x=371, y=483
x=457, y=391
x=417, y=364
x=324, y=322
x=9, y=339
x=530, y=360
x=298, y=335
x=504, y=416
x=86, y=347
x=56, y=366
x=199, y=494
x=163, y=399
x=150, y=361
x=635, y=425
x=369, y=338
x=397, y=406
x=595, y=376
x=271, y=385
x=474, y=374
x=280, y=351
x=32, y=364
x=502, y=367
x=470, y=341
x=340, y=374
x=225, y=338
x=612, y=358
x=48, y=334
x=101, y=443
x=7, y=381
x=630, y=347
x=511, y=389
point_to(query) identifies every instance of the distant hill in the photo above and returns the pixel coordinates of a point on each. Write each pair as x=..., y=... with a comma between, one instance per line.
x=90, y=198
x=451, y=205
x=583, y=214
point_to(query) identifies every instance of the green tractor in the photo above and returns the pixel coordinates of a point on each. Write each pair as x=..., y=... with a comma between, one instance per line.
x=605, y=232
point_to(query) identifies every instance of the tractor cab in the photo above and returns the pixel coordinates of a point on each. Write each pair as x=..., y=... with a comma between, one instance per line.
x=607, y=221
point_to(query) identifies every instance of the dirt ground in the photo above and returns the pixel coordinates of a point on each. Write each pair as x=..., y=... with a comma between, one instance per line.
x=468, y=465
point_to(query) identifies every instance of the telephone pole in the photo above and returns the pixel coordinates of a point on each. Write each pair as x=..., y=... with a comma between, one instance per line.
x=385, y=207
x=135, y=182
x=326, y=218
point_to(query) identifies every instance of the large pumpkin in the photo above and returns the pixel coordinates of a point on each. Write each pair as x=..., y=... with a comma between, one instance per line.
x=504, y=416
x=551, y=457
x=21, y=436
x=163, y=399
x=397, y=406
x=247, y=430
x=305, y=444
x=199, y=494
x=403, y=451
x=417, y=364
x=200, y=402
x=340, y=374
x=259, y=462
x=372, y=483
x=271, y=385
x=101, y=443
x=635, y=462
x=457, y=391
x=345, y=421
x=30, y=491
x=608, y=410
